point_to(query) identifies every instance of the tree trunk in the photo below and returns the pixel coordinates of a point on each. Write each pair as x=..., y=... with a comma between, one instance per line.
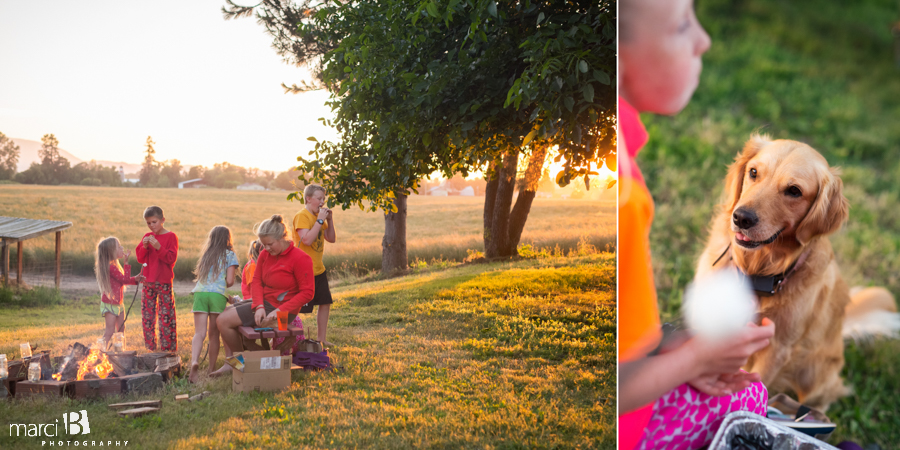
x=498, y=245
x=527, y=192
x=490, y=197
x=393, y=246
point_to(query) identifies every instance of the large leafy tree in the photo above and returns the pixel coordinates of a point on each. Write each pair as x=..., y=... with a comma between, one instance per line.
x=9, y=157
x=456, y=87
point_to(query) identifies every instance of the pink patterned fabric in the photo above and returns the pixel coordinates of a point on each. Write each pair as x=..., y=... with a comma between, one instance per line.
x=686, y=418
x=299, y=324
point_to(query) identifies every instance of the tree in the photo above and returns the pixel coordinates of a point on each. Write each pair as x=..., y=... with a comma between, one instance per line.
x=195, y=172
x=171, y=171
x=453, y=87
x=9, y=158
x=150, y=168
x=54, y=166
x=93, y=174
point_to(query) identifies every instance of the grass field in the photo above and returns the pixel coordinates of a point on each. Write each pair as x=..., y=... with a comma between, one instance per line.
x=501, y=355
x=819, y=72
x=437, y=227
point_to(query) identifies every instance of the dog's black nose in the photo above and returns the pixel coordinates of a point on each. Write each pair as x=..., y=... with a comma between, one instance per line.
x=744, y=218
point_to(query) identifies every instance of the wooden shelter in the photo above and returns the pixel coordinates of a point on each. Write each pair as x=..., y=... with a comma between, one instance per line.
x=16, y=229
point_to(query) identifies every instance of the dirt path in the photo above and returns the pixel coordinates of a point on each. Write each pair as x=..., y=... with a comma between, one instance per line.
x=80, y=286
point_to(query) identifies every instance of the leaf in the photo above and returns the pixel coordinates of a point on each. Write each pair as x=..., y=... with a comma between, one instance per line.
x=611, y=184
x=561, y=179
x=588, y=92
x=492, y=9
x=540, y=18
x=583, y=66
x=601, y=76
x=529, y=137
x=432, y=10
x=311, y=138
x=426, y=139
x=570, y=103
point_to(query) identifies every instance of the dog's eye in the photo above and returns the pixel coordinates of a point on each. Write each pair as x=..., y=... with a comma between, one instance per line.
x=793, y=191
x=752, y=174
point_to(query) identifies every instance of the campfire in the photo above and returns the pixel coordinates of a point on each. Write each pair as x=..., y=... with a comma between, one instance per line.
x=86, y=372
x=85, y=364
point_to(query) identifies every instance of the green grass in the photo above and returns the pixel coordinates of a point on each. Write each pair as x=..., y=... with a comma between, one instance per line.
x=39, y=296
x=818, y=72
x=503, y=355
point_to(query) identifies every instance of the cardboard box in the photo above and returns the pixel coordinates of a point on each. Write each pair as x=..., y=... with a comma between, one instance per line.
x=265, y=370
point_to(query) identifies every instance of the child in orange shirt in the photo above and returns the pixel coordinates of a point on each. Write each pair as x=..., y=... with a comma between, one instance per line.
x=661, y=396
x=250, y=268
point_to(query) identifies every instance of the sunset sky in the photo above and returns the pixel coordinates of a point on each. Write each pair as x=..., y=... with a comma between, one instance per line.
x=104, y=75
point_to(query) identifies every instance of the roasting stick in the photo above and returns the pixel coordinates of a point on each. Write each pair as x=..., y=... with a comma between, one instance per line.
x=137, y=288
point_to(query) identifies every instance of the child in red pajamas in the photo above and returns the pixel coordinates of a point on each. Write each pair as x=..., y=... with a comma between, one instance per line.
x=159, y=250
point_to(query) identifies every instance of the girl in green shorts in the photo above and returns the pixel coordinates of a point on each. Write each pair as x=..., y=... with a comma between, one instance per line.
x=214, y=272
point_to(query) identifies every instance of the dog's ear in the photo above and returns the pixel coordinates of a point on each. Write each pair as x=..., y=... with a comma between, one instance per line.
x=734, y=182
x=829, y=210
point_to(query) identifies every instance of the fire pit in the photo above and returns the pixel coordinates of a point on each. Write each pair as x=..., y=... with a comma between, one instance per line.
x=89, y=372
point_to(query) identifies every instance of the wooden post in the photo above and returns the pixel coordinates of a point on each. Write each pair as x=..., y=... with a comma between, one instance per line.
x=58, y=248
x=19, y=263
x=5, y=263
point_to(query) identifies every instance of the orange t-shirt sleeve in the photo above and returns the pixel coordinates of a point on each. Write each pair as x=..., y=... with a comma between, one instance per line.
x=639, y=328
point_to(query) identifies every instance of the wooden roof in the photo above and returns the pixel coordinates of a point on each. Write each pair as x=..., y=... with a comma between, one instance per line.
x=18, y=229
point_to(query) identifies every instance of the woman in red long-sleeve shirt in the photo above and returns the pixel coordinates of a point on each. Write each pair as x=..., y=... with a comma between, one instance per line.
x=283, y=281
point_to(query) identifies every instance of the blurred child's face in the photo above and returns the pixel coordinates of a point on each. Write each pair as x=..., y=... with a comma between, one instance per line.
x=155, y=224
x=316, y=201
x=120, y=251
x=659, y=60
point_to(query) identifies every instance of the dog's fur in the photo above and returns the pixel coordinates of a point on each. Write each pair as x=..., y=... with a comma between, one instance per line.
x=807, y=352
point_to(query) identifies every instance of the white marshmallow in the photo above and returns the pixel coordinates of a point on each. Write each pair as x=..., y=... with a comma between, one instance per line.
x=718, y=305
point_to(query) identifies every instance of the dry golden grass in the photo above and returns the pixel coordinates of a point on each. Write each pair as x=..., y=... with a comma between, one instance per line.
x=437, y=227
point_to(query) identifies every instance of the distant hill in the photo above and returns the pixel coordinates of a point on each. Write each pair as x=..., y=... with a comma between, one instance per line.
x=28, y=153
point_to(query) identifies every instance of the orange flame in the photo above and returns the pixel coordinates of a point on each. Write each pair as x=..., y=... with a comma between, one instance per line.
x=96, y=363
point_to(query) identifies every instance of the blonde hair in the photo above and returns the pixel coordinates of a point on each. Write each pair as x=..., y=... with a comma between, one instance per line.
x=255, y=248
x=311, y=190
x=213, y=254
x=105, y=255
x=272, y=227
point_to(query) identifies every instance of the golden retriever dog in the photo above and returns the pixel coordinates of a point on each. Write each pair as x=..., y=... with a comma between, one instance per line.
x=782, y=200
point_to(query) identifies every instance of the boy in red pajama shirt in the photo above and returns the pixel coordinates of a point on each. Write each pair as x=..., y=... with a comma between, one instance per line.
x=159, y=250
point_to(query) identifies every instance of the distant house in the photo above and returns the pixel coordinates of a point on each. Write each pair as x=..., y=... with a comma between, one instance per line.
x=131, y=180
x=250, y=187
x=195, y=183
x=467, y=191
x=438, y=191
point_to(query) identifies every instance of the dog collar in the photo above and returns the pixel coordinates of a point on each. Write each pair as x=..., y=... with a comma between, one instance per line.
x=768, y=285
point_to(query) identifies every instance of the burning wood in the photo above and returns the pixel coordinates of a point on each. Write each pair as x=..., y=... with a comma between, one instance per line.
x=96, y=363
x=83, y=363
